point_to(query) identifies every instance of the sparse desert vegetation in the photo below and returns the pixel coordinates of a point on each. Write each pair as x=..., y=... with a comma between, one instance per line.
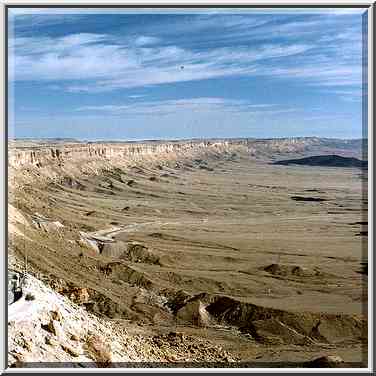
x=188, y=252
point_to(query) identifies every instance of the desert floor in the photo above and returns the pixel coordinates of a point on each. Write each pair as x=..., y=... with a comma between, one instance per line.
x=221, y=227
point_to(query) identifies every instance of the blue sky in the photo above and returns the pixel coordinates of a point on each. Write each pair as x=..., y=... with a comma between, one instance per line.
x=174, y=74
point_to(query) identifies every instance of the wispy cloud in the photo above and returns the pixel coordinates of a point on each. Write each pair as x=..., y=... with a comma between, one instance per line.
x=297, y=49
x=196, y=105
x=136, y=96
x=323, y=74
x=262, y=70
x=144, y=40
x=30, y=20
x=85, y=56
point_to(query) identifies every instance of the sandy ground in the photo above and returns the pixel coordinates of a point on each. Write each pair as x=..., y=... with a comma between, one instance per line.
x=227, y=227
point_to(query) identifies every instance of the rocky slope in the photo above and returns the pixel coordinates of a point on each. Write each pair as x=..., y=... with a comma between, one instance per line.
x=46, y=329
x=25, y=154
x=77, y=209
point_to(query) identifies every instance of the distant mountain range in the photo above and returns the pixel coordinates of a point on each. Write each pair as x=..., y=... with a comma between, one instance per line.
x=326, y=161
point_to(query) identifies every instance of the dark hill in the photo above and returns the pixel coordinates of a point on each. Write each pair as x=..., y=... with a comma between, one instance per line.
x=326, y=161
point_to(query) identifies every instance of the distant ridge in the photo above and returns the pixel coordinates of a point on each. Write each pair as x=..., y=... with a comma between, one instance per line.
x=326, y=161
x=43, y=139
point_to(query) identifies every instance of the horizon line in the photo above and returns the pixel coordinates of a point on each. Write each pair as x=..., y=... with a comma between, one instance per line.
x=178, y=139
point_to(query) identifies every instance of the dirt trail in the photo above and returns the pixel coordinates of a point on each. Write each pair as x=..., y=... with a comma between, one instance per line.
x=221, y=251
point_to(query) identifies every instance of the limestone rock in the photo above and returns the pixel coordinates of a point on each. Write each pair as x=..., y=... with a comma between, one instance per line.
x=194, y=312
x=74, y=337
x=70, y=350
x=54, y=328
x=51, y=341
x=100, y=350
x=56, y=315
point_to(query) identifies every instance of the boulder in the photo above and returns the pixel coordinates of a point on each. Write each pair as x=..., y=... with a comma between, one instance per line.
x=51, y=341
x=70, y=350
x=100, y=350
x=54, y=328
x=195, y=313
x=87, y=242
x=114, y=250
x=45, y=224
x=80, y=295
x=56, y=315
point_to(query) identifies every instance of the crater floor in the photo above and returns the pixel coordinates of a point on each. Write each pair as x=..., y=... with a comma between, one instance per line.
x=206, y=228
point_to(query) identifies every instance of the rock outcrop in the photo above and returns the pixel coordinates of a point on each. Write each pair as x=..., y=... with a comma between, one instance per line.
x=42, y=156
x=53, y=330
x=59, y=153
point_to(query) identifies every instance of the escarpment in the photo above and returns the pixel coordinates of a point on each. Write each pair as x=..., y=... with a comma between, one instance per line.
x=58, y=153
x=186, y=246
x=19, y=157
x=56, y=162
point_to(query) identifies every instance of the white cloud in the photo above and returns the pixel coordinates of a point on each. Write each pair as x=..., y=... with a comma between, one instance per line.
x=28, y=19
x=29, y=46
x=144, y=40
x=323, y=74
x=99, y=62
x=95, y=57
x=136, y=96
x=83, y=56
x=191, y=105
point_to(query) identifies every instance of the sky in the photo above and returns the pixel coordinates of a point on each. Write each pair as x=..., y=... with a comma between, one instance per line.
x=175, y=74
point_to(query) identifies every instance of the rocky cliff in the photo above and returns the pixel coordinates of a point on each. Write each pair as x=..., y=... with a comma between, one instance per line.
x=53, y=159
x=57, y=154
